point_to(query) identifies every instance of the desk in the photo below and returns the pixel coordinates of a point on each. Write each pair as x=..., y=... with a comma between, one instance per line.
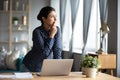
x=72, y=76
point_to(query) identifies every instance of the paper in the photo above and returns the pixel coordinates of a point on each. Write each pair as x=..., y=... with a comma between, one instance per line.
x=23, y=75
x=17, y=75
x=7, y=76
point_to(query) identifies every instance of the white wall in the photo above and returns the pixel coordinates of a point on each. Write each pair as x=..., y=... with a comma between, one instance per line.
x=35, y=7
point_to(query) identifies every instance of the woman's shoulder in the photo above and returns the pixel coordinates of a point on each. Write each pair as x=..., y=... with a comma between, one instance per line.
x=38, y=28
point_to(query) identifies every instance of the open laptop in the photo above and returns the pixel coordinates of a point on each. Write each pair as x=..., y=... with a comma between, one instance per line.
x=56, y=67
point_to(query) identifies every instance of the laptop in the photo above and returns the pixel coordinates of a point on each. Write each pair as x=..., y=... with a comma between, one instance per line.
x=56, y=67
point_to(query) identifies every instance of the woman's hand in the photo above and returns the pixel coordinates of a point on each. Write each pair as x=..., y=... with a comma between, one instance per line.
x=53, y=30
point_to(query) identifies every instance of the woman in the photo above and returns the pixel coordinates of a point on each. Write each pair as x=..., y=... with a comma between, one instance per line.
x=46, y=41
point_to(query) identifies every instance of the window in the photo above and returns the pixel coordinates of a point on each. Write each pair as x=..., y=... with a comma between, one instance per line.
x=93, y=39
x=93, y=32
x=78, y=30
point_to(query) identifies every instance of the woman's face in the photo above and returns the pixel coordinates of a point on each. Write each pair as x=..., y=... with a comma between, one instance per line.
x=50, y=19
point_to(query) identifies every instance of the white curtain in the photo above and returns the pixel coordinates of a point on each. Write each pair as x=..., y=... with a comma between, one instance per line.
x=74, y=12
x=104, y=17
x=86, y=19
x=68, y=10
x=63, y=10
x=66, y=23
x=92, y=44
x=74, y=20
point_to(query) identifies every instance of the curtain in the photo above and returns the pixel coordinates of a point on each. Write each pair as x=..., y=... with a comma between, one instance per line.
x=63, y=10
x=68, y=15
x=66, y=23
x=74, y=11
x=104, y=16
x=86, y=17
x=68, y=10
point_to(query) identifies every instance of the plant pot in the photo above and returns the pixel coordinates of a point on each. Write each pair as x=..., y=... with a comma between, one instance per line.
x=90, y=72
x=15, y=22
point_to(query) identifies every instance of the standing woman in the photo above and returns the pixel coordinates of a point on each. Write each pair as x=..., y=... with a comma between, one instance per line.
x=46, y=41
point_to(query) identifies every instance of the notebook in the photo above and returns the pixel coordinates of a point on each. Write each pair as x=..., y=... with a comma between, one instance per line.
x=56, y=67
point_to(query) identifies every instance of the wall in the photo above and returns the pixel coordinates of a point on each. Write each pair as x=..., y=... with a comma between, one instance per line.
x=35, y=6
x=112, y=23
x=114, y=38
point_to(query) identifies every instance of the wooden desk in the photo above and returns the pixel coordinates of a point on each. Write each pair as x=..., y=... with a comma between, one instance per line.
x=72, y=76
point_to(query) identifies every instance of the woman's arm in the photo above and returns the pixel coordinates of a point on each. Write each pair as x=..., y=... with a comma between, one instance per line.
x=57, y=47
x=42, y=46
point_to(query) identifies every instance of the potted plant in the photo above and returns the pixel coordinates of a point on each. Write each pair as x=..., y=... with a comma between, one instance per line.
x=90, y=65
x=15, y=20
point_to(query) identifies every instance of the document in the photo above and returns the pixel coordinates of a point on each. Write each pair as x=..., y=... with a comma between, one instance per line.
x=17, y=75
x=7, y=76
x=23, y=75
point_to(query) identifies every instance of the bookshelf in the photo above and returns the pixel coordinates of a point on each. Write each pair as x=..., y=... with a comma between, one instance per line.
x=14, y=35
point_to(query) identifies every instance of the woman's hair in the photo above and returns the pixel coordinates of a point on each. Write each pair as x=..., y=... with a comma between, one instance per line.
x=44, y=12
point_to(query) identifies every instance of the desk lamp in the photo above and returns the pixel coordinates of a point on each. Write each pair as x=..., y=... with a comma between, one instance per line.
x=103, y=31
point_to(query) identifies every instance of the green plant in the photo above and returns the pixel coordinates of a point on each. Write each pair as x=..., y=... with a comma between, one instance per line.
x=15, y=19
x=90, y=62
